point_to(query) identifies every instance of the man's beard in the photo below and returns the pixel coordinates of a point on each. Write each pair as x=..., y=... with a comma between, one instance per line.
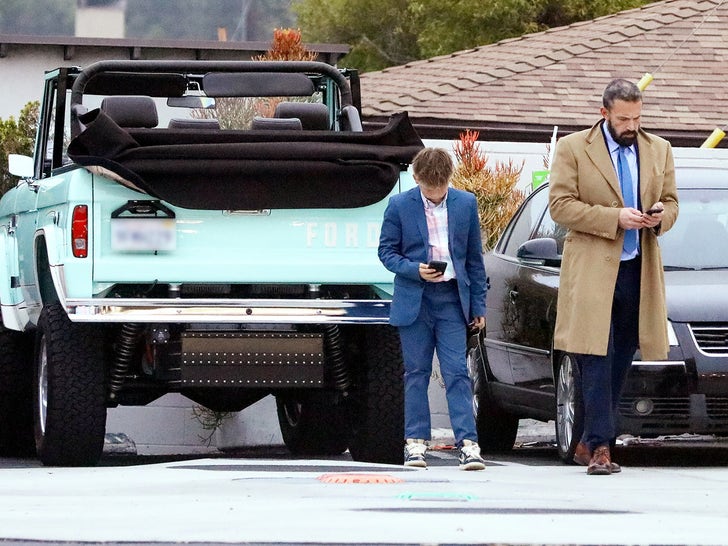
x=625, y=139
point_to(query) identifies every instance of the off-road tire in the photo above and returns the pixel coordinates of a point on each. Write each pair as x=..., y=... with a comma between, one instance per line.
x=569, y=422
x=16, y=408
x=379, y=412
x=68, y=390
x=313, y=423
x=497, y=430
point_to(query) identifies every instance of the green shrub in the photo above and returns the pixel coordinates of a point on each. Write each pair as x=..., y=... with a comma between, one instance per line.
x=494, y=187
x=17, y=137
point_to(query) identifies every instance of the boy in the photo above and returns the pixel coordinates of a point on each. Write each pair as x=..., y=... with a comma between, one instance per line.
x=434, y=307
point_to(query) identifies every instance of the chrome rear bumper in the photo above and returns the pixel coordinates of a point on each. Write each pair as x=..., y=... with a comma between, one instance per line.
x=226, y=311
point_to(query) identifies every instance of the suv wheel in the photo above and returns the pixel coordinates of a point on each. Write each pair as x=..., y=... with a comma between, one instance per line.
x=313, y=423
x=379, y=413
x=497, y=430
x=68, y=391
x=569, y=407
x=16, y=409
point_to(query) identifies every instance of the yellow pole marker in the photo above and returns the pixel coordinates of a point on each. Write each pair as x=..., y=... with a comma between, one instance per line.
x=645, y=81
x=715, y=137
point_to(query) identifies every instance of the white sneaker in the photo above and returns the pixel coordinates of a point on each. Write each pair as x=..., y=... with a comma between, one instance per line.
x=414, y=453
x=470, y=458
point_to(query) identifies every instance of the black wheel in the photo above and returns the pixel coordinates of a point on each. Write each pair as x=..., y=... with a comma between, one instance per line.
x=497, y=430
x=313, y=423
x=68, y=390
x=379, y=413
x=16, y=406
x=569, y=407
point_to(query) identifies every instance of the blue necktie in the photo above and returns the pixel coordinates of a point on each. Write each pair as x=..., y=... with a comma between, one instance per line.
x=625, y=181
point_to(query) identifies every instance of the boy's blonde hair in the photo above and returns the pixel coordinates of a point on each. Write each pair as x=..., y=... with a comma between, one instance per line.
x=432, y=167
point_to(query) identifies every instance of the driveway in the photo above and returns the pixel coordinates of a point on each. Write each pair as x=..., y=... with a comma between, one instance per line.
x=670, y=492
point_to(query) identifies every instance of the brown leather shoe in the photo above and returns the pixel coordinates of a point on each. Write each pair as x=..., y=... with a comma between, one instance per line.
x=600, y=463
x=582, y=456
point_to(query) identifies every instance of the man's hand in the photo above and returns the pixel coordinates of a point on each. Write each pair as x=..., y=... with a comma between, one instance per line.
x=653, y=216
x=630, y=218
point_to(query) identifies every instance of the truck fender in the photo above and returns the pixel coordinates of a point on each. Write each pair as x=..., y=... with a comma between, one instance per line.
x=49, y=264
x=14, y=315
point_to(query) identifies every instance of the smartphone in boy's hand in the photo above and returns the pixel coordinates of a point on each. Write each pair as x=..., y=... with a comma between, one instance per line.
x=437, y=266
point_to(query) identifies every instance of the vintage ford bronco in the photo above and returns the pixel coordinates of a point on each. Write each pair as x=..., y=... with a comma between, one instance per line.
x=206, y=228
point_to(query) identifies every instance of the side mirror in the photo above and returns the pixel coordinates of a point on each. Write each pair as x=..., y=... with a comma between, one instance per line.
x=21, y=165
x=540, y=252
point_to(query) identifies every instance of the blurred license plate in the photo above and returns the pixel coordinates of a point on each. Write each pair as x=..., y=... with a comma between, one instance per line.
x=134, y=234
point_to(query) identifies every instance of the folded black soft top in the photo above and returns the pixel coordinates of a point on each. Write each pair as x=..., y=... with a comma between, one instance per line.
x=249, y=170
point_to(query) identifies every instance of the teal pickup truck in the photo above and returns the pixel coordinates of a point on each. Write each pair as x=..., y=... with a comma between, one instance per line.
x=207, y=228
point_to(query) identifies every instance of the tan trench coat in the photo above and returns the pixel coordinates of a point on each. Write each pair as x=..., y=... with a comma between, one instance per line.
x=585, y=197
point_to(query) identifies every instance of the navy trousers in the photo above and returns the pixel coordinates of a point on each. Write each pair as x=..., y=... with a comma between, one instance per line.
x=602, y=377
x=439, y=326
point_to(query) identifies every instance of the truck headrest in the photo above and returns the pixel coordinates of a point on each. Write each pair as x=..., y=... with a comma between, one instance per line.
x=290, y=124
x=131, y=111
x=313, y=115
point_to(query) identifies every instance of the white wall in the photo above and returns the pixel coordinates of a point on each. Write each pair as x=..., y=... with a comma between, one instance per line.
x=169, y=426
x=166, y=426
x=23, y=63
x=534, y=155
x=23, y=72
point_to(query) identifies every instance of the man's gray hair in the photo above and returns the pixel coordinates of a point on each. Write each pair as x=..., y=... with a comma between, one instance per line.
x=620, y=89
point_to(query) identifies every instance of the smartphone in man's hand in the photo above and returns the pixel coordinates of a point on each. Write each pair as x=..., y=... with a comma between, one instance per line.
x=653, y=211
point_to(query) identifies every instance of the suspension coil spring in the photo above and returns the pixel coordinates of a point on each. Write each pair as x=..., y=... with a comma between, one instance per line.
x=335, y=356
x=123, y=355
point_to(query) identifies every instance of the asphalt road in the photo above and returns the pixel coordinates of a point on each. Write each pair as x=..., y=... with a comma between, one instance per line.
x=670, y=492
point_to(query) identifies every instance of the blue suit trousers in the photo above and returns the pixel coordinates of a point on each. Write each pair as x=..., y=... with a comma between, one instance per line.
x=439, y=326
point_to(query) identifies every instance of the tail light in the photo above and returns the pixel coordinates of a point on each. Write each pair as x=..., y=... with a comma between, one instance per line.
x=79, y=231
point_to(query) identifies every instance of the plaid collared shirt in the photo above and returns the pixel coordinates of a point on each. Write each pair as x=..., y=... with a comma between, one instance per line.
x=436, y=216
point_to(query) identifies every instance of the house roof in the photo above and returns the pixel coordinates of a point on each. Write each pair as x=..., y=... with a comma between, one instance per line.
x=518, y=89
x=143, y=48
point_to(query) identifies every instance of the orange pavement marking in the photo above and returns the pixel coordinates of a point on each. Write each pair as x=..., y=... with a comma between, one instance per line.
x=359, y=478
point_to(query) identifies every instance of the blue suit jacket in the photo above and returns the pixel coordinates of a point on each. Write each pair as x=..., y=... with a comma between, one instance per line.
x=404, y=244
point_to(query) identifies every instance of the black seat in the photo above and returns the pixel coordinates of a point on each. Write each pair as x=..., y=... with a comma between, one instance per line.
x=189, y=123
x=313, y=115
x=131, y=111
x=275, y=124
x=349, y=119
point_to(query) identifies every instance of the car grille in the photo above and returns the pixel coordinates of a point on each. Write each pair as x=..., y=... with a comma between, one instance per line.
x=676, y=408
x=717, y=407
x=711, y=339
